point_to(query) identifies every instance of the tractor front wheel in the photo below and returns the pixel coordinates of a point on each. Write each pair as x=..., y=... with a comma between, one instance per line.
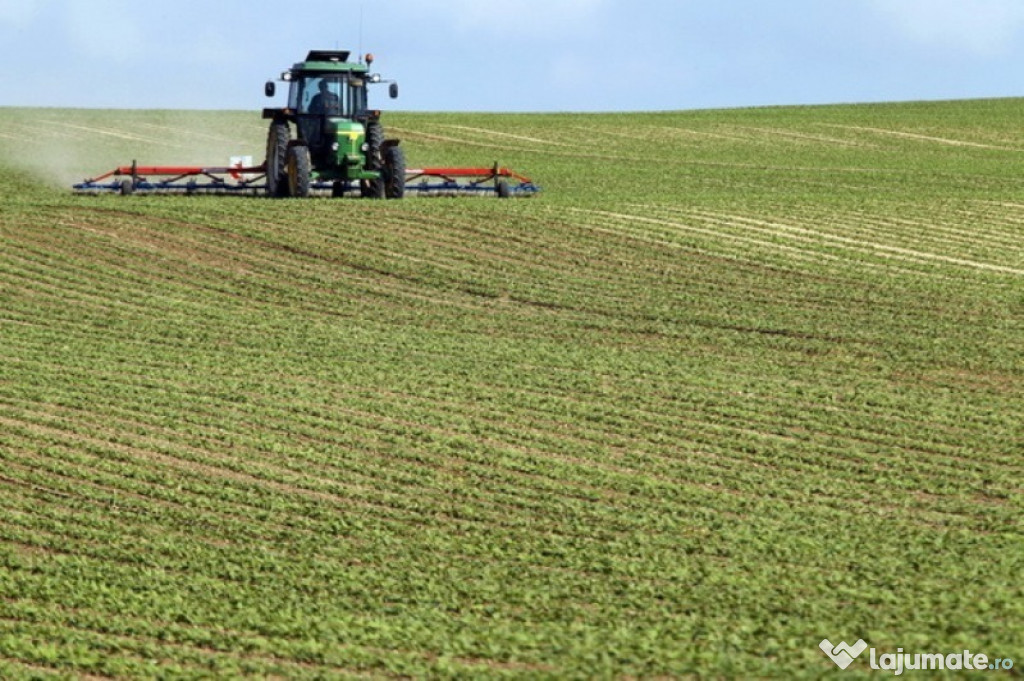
x=298, y=171
x=278, y=138
x=374, y=144
x=394, y=172
x=372, y=189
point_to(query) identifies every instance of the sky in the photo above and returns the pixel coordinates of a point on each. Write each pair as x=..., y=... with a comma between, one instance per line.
x=521, y=55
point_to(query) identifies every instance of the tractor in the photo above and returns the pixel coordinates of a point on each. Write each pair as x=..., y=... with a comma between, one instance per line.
x=338, y=139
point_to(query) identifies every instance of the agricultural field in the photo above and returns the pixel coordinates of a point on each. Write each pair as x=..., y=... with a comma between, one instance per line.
x=735, y=382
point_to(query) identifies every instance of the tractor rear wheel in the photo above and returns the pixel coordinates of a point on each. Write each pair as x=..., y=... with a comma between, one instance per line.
x=278, y=138
x=394, y=172
x=298, y=171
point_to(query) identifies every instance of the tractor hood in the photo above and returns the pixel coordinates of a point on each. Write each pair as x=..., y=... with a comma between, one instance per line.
x=349, y=137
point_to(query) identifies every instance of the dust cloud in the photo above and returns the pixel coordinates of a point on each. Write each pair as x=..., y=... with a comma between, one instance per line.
x=60, y=147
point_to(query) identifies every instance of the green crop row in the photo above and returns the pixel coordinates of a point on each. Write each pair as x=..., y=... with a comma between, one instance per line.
x=734, y=382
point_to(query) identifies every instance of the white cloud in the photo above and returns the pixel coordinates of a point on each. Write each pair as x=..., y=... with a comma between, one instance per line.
x=19, y=13
x=983, y=27
x=571, y=71
x=545, y=16
x=525, y=18
x=105, y=29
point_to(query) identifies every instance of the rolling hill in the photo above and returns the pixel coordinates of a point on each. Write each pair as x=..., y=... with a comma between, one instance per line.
x=735, y=382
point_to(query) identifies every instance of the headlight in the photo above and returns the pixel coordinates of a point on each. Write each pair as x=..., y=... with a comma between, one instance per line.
x=335, y=146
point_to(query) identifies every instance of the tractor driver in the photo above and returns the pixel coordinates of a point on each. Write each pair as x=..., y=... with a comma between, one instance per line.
x=326, y=102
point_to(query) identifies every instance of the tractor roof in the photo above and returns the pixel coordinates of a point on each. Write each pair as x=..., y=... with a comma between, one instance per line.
x=328, y=55
x=329, y=60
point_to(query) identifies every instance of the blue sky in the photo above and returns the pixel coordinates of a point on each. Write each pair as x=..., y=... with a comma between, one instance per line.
x=521, y=55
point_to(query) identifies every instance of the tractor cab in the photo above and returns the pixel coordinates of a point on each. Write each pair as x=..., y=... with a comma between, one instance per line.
x=328, y=94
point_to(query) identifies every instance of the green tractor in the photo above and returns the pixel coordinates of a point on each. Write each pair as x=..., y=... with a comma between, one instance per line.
x=339, y=143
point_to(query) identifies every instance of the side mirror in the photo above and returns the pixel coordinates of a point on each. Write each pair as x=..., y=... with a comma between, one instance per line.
x=270, y=89
x=393, y=91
